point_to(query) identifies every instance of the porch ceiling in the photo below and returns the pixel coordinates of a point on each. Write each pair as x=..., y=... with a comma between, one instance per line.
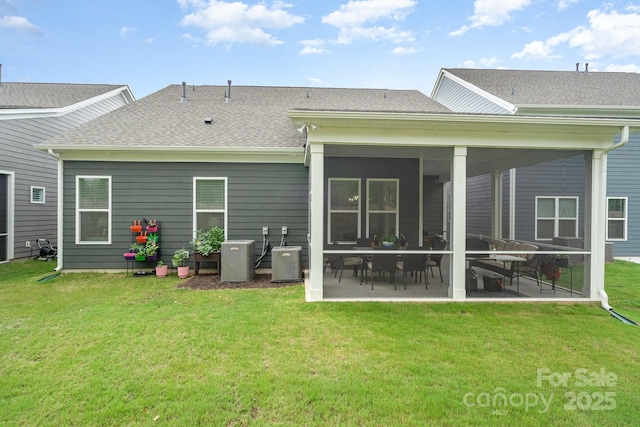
x=437, y=160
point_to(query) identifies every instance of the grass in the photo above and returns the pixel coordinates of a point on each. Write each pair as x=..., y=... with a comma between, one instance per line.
x=96, y=349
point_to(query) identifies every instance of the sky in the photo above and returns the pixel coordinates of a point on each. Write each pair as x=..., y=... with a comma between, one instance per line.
x=390, y=44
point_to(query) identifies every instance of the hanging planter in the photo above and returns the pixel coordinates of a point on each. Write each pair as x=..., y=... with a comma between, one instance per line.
x=136, y=227
x=152, y=227
x=129, y=256
x=142, y=238
x=140, y=256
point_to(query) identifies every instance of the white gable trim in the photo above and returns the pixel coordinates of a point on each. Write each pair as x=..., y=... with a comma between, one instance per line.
x=512, y=108
x=34, y=113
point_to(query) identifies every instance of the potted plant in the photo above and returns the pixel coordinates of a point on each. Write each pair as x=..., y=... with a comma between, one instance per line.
x=161, y=269
x=389, y=240
x=562, y=261
x=152, y=226
x=179, y=258
x=130, y=255
x=138, y=251
x=207, y=242
x=151, y=250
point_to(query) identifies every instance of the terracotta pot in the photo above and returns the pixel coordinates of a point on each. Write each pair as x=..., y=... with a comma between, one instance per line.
x=183, y=272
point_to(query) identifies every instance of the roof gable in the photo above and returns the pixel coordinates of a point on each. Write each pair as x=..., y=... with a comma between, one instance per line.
x=532, y=90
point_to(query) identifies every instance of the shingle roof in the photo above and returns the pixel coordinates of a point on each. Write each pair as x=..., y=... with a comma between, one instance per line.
x=569, y=88
x=48, y=95
x=257, y=116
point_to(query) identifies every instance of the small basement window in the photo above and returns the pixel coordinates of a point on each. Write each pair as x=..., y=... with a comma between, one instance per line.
x=37, y=194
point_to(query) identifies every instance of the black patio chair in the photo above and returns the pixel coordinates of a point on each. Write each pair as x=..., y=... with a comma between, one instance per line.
x=435, y=260
x=416, y=264
x=381, y=263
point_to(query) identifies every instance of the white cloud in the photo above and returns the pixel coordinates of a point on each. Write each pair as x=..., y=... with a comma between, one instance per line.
x=609, y=34
x=628, y=68
x=356, y=13
x=564, y=4
x=19, y=23
x=315, y=82
x=356, y=20
x=124, y=31
x=482, y=63
x=491, y=13
x=313, y=47
x=404, y=50
x=236, y=22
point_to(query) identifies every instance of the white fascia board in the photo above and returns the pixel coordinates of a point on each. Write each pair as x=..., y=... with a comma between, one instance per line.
x=177, y=154
x=620, y=111
x=34, y=113
x=483, y=93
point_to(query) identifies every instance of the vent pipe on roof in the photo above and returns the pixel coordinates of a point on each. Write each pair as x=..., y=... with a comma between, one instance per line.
x=227, y=97
x=586, y=68
x=577, y=67
x=184, y=92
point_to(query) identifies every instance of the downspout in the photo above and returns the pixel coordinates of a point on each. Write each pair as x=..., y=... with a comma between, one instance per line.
x=604, y=298
x=60, y=207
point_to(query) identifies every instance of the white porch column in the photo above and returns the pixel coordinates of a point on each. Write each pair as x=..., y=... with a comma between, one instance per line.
x=496, y=204
x=458, y=230
x=316, y=223
x=596, y=223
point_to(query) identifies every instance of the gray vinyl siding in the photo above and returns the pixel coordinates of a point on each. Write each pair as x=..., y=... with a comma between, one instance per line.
x=259, y=195
x=623, y=180
x=35, y=168
x=462, y=100
x=558, y=178
x=406, y=170
x=479, y=205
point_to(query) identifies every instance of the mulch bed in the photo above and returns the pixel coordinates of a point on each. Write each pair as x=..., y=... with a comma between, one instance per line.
x=212, y=281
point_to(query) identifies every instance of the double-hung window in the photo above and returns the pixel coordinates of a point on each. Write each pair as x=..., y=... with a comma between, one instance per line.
x=93, y=209
x=617, y=218
x=382, y=207
x=556, y=217
x=210, y=203
x=344, y=210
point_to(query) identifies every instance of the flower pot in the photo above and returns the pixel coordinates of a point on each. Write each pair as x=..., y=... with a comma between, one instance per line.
x=141, y=239
x=183, y=272
x=151, y=229
x=129, y=256
x=176, y=263
x=551, y=272
x=162, y=270
x=153, y=237
x=152, y=257
x=141, y=257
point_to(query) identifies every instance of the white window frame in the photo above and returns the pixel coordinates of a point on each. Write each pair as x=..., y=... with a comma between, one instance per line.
x=332, y=211
x=397, y=207
x=42, y=191
x=625, y=218
x=79, y=211
x=224, y=211
x=556, y=218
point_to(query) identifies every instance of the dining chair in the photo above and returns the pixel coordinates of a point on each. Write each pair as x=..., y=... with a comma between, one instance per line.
x=380, y=263
x=435, y=260
x=416, y=264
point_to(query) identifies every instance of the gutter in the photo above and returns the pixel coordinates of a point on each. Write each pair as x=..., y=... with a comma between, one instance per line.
x=60, y=206
x=604, y=298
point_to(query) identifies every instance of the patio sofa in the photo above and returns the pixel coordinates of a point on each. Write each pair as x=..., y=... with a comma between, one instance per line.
x=527, y=267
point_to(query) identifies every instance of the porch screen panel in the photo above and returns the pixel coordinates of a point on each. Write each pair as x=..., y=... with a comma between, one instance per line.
x=344, y=210
x=382, y=203
x=94, y=209
x=617, y=218
x=4, y=217
x=556, y=217
x=210, y=203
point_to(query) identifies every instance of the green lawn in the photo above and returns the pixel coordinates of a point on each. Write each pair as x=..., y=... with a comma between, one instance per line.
x=96, y=349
